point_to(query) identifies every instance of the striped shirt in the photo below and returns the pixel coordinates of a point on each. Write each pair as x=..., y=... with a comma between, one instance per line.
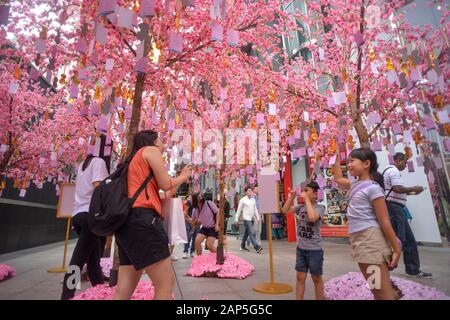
x=392, y=177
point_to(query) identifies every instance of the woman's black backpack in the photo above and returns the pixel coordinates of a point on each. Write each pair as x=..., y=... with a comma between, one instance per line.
x=110, y=205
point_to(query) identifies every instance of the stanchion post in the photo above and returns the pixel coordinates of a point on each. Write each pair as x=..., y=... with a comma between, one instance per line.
x=272, y=287
x=63, y=269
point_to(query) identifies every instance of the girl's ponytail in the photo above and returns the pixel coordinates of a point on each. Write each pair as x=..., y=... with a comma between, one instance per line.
x=378, y=178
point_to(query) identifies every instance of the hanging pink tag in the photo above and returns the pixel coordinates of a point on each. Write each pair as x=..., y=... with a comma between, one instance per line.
x=232, y=37
x=216, y=32
x=147, y=8
x=175, y=42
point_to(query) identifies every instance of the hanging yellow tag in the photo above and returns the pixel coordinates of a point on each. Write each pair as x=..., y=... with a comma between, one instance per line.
x=97, y=93
x=17, y=72
x=372, y=54
x=404, y=68
x=314, y=135
x=344, y=74
x=124, y=93
x=43, y=33
x=62, y=81
x=389, y=64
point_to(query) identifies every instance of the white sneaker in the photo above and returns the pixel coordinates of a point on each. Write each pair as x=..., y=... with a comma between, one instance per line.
x=185, y=255
x=174, y=257
x=192, y=254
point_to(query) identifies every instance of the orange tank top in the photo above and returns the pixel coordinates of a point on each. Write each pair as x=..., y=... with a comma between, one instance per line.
x=138, y=171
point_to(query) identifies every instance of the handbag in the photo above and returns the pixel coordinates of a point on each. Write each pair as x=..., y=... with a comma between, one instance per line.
x=174, y=223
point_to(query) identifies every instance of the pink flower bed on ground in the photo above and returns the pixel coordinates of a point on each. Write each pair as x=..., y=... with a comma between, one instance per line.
x=234, y=267
x=353, y=286
x=144, y=291
x=106, y=264
x=6, y=272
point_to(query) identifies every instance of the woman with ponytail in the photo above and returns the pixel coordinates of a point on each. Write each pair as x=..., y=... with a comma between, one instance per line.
x=374, y=243
x=142, y=241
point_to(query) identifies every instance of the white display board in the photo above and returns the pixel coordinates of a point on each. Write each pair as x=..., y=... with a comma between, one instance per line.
x=268, y=193
x=66, y=200
x=424, y=223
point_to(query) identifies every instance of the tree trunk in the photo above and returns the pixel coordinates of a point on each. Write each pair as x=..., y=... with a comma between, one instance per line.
x=8, y=154
x=6, y=157
x=136, y=110
x=221, y=245
x=361, y=130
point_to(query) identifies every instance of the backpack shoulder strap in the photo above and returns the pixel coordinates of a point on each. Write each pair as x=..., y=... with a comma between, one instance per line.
x=387, y=168
x=214, y=213
x=141, y=188
x=207, y=202
x=390, y=190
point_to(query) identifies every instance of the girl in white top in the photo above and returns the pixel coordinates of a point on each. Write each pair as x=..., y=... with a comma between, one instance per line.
x=374, y=244
x=87, y=250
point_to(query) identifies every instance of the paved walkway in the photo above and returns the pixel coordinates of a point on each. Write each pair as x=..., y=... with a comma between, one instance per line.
x=33, y=282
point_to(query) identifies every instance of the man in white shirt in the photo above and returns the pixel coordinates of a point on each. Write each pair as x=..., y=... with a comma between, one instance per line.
x=257, y=224
x=396, y=194
x=247, y=207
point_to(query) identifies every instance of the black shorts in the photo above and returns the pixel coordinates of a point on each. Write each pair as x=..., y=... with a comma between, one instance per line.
x=209, y=232
x=142, y=240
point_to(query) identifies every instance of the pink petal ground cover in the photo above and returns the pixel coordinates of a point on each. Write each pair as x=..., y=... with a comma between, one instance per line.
x=106, y=264
x=353, y=286
x=144, y=291
x=234, y=267
x=6, y=272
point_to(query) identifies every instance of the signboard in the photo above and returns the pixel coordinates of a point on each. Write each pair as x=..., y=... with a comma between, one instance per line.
x=268, y=193
x=66, y=200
